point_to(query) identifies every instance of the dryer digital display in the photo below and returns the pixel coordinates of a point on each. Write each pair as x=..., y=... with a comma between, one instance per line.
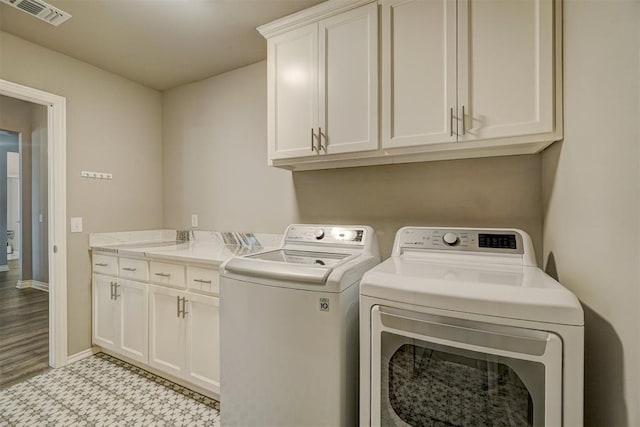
x=497, y=241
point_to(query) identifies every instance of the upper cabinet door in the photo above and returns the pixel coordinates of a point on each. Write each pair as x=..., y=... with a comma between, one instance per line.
x=418, y=72
x=348, y=81
x=505, y=67
x=293, y=92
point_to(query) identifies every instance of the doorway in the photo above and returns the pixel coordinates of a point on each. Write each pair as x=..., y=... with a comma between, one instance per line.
x=24, y=281
x=53, y=259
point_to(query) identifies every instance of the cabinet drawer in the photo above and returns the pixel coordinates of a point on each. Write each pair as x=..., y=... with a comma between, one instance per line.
x=134, y=269
x=203, y=279
x=167, y=274
x=105, y=264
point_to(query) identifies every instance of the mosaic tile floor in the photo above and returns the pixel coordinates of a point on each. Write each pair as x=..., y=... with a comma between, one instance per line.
x=104, y=391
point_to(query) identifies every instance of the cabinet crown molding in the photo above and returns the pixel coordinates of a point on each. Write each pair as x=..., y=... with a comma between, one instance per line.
x=308, y=16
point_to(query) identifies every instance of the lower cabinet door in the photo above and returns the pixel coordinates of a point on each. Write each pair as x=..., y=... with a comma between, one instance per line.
x=133, y=301
x=203, y=341
x=105, y=312
x=167, y=335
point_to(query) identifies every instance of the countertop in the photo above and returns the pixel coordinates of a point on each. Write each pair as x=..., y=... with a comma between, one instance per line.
x=205, y=248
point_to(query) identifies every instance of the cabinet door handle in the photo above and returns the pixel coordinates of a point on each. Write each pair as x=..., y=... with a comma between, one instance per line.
x=451, y=121
x=163, y=274
x=464, y=123
x=177, y=306
x=101, y=264
x=313, y=144
x=111, y=290
x=115, y=290
x=208, y=282
x=320, y=147
x=128, y=269
x=184, y=307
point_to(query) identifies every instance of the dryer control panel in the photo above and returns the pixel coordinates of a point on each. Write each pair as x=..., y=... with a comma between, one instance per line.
x=461, y=239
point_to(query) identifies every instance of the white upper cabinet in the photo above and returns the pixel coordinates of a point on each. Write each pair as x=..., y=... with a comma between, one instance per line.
x=323, y=86
x=467, y=70
x=293, y=92
x=505, y=69
x=458, y=78
x=348, y=78
x=419, y=72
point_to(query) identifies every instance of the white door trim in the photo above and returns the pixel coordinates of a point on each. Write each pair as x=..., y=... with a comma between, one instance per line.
x=57, y=202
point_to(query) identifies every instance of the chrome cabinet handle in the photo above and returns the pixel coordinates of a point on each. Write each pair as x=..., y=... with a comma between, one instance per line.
x=464, y=124
x=115, y=290
x=313, y=144
x=163, y=274
x=128, y=269
x=320, y=146
x=451, y=121
x=208, y=282
x=184, y=307
x=101, y=264
x=182, y=311
x=112, y=293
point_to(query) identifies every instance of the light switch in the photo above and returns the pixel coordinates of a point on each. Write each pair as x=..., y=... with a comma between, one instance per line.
x=194, y=220
x=76, y=224
x=40, y=218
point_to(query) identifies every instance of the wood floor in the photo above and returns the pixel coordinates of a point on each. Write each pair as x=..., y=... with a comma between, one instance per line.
x=24, y=329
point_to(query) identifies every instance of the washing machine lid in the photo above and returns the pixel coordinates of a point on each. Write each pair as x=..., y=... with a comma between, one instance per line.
x=502, y=290
x=308, y=267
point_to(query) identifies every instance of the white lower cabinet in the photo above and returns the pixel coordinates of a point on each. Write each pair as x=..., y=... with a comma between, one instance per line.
x=203, y=341
x=120, y=316
x=176, y=331
x=167, y=330
x=104, y=312
x=184, y=336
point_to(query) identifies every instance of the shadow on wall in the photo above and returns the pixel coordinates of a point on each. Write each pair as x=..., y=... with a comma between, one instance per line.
x=489, y=192
x=604, y=402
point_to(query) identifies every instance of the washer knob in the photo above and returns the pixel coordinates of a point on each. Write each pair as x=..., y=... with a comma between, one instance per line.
x=450, y=238
x=319, y=233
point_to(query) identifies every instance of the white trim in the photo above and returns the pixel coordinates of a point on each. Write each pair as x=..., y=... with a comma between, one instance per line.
x=309, y=15
x=35, y=284
x=83, y=354
x=57, y=202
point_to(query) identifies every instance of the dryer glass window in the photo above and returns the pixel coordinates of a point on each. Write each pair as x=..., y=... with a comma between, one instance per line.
x=426, y=384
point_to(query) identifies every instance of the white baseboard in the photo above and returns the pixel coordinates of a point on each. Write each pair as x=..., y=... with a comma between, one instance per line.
x=41, y=286
x=83, y=354
x=4, y=268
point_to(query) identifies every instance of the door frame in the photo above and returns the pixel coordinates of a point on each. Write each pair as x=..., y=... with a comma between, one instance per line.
x=57, y=218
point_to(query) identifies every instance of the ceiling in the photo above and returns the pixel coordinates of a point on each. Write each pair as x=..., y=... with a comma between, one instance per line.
x=159, y=43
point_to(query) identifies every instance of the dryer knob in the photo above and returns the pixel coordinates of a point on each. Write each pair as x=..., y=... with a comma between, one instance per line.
x=450, y=238
x=319, y=233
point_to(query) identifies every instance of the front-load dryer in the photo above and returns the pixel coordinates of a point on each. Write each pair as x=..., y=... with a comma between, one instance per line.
x=460, y=327
x=289, y=329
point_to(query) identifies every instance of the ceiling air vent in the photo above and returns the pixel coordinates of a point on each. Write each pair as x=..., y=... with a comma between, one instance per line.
x=41, y=10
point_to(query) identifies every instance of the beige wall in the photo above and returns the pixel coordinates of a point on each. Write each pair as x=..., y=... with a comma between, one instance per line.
x=215, y=156
x=216, y=166
x=591, y=187
x=113, y=125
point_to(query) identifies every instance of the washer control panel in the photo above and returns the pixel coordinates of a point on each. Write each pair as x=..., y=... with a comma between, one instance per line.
x=480, y=240
x=326, y=234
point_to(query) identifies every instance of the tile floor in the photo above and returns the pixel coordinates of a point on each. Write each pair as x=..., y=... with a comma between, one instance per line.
x=104, y=391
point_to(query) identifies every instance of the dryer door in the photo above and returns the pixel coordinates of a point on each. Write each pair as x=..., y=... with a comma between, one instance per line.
x=434, y=370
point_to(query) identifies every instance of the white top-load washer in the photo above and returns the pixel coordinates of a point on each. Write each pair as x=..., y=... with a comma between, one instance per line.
x=461, y=327
x=289, y=329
